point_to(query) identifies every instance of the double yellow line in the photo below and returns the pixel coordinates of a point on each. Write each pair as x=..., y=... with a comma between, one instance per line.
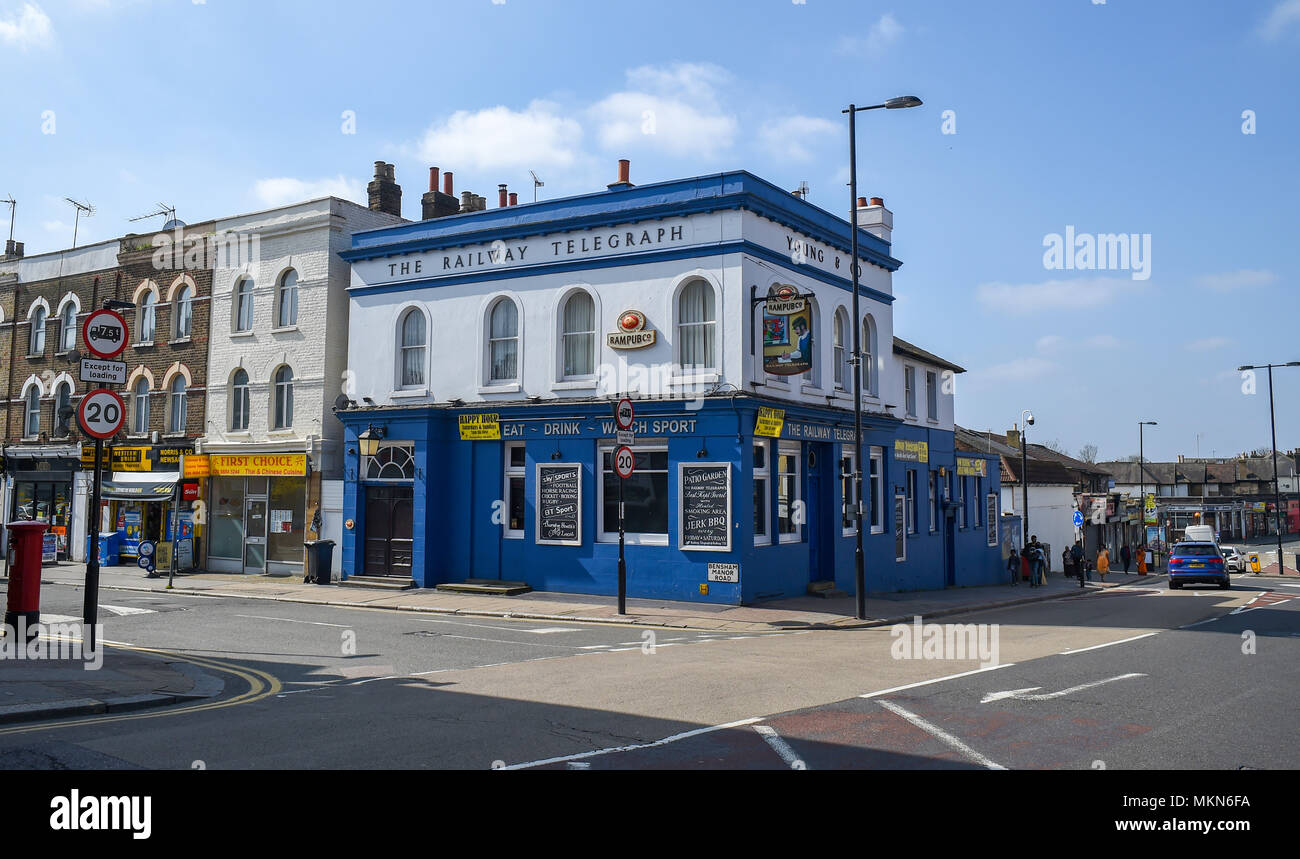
x=260, y=685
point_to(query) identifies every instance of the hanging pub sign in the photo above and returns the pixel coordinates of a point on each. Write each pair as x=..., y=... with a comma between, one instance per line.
x=787, y=333
x=559, y=504
x=631, y=333
x=706, y=506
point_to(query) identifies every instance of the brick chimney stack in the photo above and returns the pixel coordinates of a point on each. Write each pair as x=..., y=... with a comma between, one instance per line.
x=384, y=192
x=13, y=250
x=876, y=219
x=1013, y=437
x=624, y=176
x=435, y=203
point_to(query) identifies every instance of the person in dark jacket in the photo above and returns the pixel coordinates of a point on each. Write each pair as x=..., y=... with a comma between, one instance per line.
x=1125, y=556
x=1013, y=566
x=1077, y=554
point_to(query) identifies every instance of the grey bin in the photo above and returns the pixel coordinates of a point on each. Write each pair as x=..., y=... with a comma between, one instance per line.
x=320, y=559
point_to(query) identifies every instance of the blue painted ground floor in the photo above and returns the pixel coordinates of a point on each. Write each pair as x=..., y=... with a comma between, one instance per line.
x=731, y=499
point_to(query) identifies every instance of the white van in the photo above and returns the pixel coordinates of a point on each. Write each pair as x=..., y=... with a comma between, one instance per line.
x=1200, y=534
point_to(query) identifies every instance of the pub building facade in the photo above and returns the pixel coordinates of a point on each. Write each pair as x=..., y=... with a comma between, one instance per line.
x=488, y=349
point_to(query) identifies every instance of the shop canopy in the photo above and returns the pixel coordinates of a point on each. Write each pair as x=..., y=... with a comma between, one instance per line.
x=126, y=486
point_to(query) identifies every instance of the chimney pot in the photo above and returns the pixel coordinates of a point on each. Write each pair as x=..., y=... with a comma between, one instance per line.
x=379, y=169
x=384, y=194
x=514, y=198
x=877, y=201
x=862, y=202
x=503, y=197
x=624, y=170
x=433, y=178
x=446, y=184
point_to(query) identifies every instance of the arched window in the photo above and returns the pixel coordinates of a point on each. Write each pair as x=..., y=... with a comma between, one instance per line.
x=503, y=341
x=185, y=312
x=244, y=304
x=62, y=403
x=68, y=328
x=869, y=356
x=32, y=426
x=414, y=342
x=148, y=310
x=697, y=326
x=288, y=300
x=239, y=401
x=37, y=343
x=176, y=405
x=579, y=336
x=811, y=377
x=140, y=407
x=283, y=398
x=843, y=371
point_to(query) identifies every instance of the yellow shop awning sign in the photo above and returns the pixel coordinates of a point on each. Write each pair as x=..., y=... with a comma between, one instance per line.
x=483, y=426
x=770, y=422
x=258, y=465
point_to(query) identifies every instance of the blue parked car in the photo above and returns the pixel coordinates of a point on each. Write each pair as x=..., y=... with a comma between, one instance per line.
x=1198, y=562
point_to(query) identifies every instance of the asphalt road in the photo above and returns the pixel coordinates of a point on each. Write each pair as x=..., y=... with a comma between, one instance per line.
x=1131, y=678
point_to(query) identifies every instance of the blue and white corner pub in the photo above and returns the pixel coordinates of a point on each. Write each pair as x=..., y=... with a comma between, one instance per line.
x=488, y=347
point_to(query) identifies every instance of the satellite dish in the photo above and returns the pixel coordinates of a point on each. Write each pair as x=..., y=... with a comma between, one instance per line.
x=173, y=224
x=341, y=402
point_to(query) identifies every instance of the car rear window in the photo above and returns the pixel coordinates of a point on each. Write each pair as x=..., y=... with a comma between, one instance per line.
x=1205, y=550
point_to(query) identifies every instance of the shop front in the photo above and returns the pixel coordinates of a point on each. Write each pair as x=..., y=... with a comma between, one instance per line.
x=143, y=497
x=258, y=513
x=43, y=481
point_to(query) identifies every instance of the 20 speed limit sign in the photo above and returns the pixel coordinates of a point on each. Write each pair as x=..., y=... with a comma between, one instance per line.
x=624, y=462
x=101, y=413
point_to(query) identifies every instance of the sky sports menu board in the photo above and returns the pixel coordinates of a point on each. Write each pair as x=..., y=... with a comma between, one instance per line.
x=559, y=504
x=706, y=506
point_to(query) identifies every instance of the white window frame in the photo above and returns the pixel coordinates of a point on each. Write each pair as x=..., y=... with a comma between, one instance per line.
x=276, y=422
x=67, y=344
x=932, y=394
x=877, y=490
x=37, y=331
x=280, y=290
x=976, y=494
x=840, y=350
x=136, y=412
x=706, y=325
x=912, y=510
x=847, y=487
x=182, y=308
x=565, y=334
x=238, y=295
x=869, y=356
x=630, y=538
x=489, y=340
x=961, y=502
x=510, y=472
x=402, y=349
x=240, y=401
x=896, y=498
x=909, y=389
x=794, y=450
x=172, y=411
x=764, y=474
x=146, y=310
x=29, y=412
x=54, y=421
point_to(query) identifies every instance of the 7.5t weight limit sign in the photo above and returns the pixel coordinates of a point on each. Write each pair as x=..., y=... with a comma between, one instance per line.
x=101, y=413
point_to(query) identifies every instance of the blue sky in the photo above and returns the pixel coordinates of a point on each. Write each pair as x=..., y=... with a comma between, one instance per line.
x=1115, y=117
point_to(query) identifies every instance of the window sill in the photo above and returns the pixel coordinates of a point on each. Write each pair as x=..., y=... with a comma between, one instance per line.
x=239, y=435
x=513, y=535
x=697, y=379
x=635, y=540
x=505, y=388
x=875, y=530
x=285, y=330
x=762, y=541
x=575, y=385
x=175, y=435
x=180, y=341
x=934, y=421
x=63, y=353
x=281, y=433
x=409, y=394
x=35, y=356
x=241, y=334
x=141, y=344
x=816, y=390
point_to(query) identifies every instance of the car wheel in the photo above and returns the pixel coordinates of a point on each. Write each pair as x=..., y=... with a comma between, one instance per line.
x=1173, y=586
x=1226, y=584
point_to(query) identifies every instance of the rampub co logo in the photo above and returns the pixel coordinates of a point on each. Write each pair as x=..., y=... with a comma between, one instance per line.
x=631, y=333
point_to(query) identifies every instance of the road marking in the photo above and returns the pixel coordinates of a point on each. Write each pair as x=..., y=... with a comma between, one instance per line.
x=665, y=741
x=1107, y=644
x=550, y=629
x=1199, y=622
x=291, y=620
x=780, y=746
x=941, y=735
x=936, y=680
x=1020, y=693
x=124, y=610
x=59, y=618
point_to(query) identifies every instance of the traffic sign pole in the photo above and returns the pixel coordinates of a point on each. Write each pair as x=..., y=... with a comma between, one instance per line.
x=90, y=607
x=623, y=414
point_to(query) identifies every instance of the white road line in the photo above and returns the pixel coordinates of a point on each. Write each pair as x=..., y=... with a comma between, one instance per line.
x=519, y=628
x=780, y=746
x=665, y=741
x=124, y=610
x=291, y=620
x=1048, y=696
x=548, y=630
x=1199, y=622
x=1108, y=644
x=59, y=618
x=936, y=680
x=941, y=735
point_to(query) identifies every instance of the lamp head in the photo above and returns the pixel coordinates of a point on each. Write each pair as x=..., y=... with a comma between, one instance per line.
x=902, y=101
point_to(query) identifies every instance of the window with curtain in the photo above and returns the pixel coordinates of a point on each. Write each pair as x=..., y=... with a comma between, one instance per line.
x=414, y=342
x=185, y=312
x=239, y=401
x=288, y=299
x=176, y=396
x=842, y=371
x=62, y=400
x=283, y=398
x=140, y=407
x=579, y=336
x=503, y=341
x=68, y=328
x=32, y=426
x=697, y=326
x=244, y=305
x=37, y=343
x=869, y=356
x=148, y=309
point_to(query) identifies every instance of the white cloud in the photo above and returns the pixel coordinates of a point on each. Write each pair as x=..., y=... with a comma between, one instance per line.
x=280, y=191
x=1049, y=343
x=1102, y=341
x=494, y=137
x=882, y=34
x=1018, y=370
x=673, y=109
x=1243, y=279
x=30, y=28
x=1057, y=296
x=1283, y=14
x=1206, y=344
x=791, y=138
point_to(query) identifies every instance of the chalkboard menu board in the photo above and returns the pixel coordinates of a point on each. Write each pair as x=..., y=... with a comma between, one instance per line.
x=900, y=527
x=706, y=506
x=559, y=504
x=991, y=518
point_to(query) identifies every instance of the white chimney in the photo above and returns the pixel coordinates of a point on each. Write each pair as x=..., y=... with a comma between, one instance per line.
x=875, y=218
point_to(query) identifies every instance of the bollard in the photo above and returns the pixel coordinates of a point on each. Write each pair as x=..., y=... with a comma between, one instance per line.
x=25, y=577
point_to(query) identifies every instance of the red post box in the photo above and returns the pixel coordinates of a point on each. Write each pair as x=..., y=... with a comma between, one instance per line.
x=26, y=539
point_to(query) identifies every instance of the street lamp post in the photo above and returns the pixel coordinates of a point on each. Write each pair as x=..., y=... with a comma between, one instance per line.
x=1142, y=475
x=1272, y=419
x=1026, y=418
x=858, y=562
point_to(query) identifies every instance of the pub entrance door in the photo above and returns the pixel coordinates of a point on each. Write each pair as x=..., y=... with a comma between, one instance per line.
x=389, y=532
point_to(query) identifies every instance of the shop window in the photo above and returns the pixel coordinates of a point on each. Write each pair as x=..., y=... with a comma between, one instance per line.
x=283, y=406
x=762, y=494
x=176, y=405
x=239, y=401
x=911, y=501
x=32, y=425
x=514, y=489
x=185, y=312
x=147, y=317
x=395, y=461
x=140, y=407
x=843, y=371
x=227, y=531
x=645, y=497
x=877, y=490
x=579, y=336
x=909, y=389
x=244, y=304
x=287, y=300
x=503, y=341
x=62, y=403
x=414, y=346
x=286, y=525
x=68, y=328
x=789, y=504
x=697, y=322
x=36, y=342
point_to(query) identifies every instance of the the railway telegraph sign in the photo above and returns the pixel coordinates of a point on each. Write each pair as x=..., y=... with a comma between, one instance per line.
x=105, y=333
x=101, y=413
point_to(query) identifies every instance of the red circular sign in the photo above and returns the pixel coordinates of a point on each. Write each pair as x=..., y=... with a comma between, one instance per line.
x=624, y=414
x=631, y=320
x=104, y=333
x=624, y=462
x=101, y=413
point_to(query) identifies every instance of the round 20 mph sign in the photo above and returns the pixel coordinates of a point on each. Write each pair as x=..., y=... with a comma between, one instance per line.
x=101, y=413
x=624, y=462
x=104, y=332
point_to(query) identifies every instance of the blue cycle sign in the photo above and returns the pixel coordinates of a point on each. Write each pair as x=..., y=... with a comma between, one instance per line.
x=1078, y=519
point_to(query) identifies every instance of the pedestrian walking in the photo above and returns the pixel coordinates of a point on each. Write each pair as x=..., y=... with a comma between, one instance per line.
x=1024, y=566
x=1076, y=553
x=1037, y=561
x=1142, y=559
x=1013, y=566
x=1103, y=562
x=1067, y=562
x=1125, y=557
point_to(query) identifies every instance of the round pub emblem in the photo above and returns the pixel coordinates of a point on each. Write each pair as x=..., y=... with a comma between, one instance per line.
x=631, y=333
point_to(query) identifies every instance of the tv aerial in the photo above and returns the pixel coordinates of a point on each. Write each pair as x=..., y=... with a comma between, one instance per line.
x=82, y=209
x=537, y=183
x=13, y=208
x=165, y=209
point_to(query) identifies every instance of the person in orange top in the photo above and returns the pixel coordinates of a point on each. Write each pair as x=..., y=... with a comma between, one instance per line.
x=1142, y=560
x=1103, y=562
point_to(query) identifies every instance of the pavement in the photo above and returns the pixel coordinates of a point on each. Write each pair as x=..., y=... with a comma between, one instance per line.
x=131, y=678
